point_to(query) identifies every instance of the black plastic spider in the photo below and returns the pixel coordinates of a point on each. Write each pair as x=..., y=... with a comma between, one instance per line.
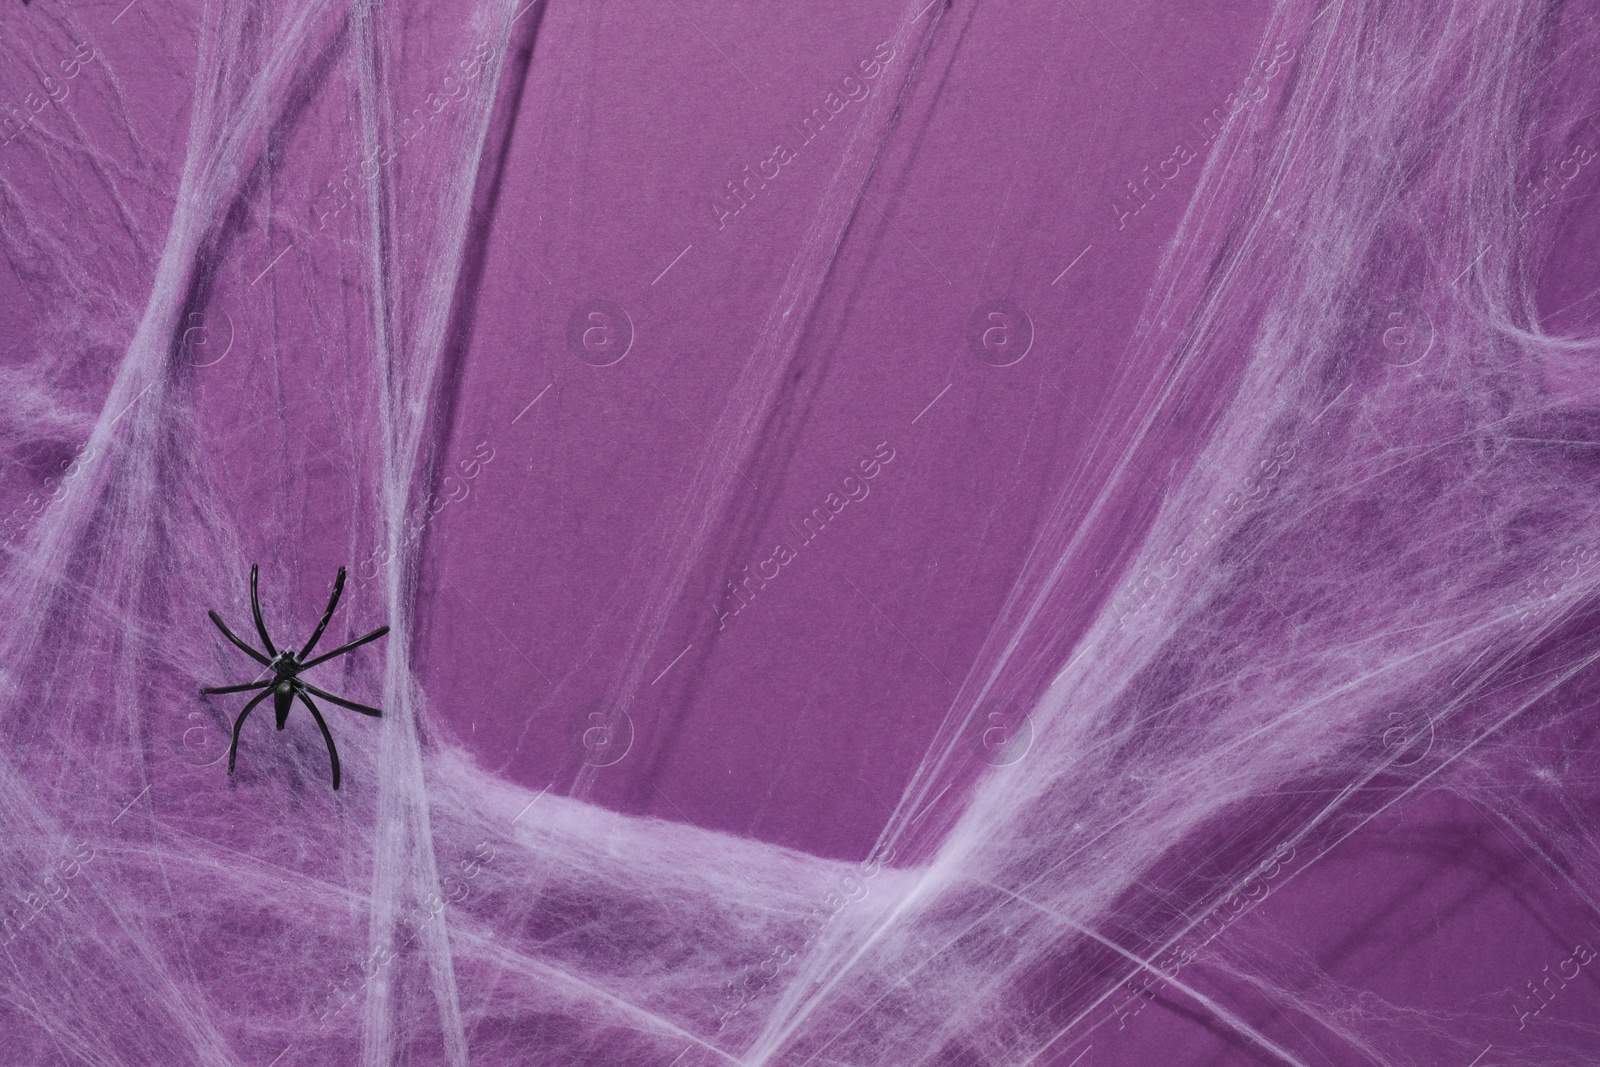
x=286, y=683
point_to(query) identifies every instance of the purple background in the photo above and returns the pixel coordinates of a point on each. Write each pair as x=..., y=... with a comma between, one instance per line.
x=802, y=718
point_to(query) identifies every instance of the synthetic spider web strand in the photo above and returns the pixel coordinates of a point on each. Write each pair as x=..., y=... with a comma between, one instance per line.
x=678, y=925
x=1326, y=829
x=1349, y=1015
x=1147, y=964
x=67, y=582
x=130, y=426
x=408, y=349
x=1157, y=393
x=64, y=30
x=1236, y=454
x=1129, y=450
x=760, y=389
x=1103, y=735
x=1340, y=1010
x=1467, y=642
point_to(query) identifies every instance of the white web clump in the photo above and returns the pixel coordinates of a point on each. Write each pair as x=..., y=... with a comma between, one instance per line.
x=1381, y=617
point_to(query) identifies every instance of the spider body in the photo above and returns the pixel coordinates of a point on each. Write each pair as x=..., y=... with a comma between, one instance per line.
x=285, y=682
x=286, y=686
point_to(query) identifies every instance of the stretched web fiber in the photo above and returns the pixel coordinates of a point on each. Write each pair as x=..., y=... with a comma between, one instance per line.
x=1354, y=498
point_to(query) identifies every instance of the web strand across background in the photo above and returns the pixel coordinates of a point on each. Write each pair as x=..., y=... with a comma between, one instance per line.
x=910, y=535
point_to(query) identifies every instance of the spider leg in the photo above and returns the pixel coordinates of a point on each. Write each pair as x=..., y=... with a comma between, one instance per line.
x=333, y=753
x=333, y=602
x=341, y=701
x=342, y=649
x=229, y=634
x=255, y=609
x=233, y=749
x=234, y=688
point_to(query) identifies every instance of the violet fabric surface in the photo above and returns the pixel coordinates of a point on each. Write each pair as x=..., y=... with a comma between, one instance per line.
x=949, y=534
